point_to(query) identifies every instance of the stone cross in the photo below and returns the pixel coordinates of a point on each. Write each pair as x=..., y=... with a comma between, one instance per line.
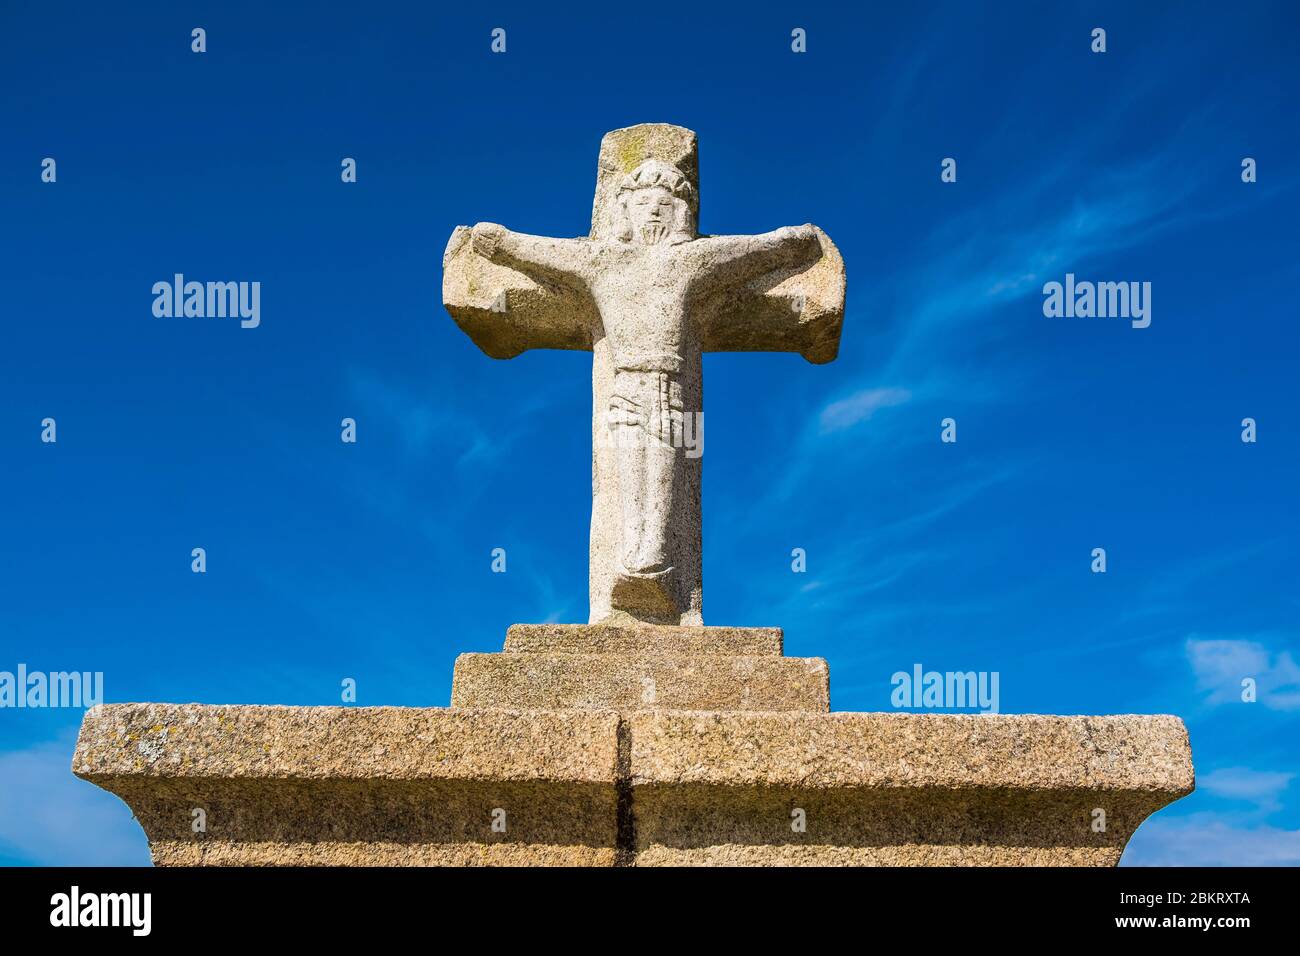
x=647, y=295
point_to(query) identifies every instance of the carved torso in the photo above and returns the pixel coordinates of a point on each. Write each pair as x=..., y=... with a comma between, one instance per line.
x=640, y=294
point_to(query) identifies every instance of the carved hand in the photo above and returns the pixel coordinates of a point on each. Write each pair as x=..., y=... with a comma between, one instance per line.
x=805, y=233
x=624, y=411
x=486, y=237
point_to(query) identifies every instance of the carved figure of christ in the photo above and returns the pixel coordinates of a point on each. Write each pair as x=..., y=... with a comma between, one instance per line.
x=647, y=299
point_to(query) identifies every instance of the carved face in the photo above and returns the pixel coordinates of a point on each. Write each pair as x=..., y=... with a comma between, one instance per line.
x=651, y=212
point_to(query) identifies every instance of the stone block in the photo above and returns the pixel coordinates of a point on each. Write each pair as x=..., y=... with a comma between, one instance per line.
x=627, y=683
x=898, y=789
x=359, y=786
x=635, y=638
x=407, y=786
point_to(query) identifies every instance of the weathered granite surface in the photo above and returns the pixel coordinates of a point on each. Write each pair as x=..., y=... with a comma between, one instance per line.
x=635, y=666
x=898, y=789
x=401, y=786
x=635, y=638
x=646, y=294
x=364, y=785
x=642, y=681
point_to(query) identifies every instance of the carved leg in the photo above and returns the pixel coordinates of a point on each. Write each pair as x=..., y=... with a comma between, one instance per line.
x=644, y=583
x=645, y=533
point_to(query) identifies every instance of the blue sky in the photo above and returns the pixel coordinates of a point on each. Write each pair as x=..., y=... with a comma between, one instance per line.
x=372, y=561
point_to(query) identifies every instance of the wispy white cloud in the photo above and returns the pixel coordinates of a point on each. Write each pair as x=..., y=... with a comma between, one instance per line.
x=859, y=407
x=552, y=606
x=1004, y=249
x=1210, y=839
x=1221, y=664
x=851, y=575
x=424, y=425
x=972, y=266
x=1263, y=788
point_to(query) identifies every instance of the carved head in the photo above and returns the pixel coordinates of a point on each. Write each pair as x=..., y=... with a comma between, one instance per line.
x=653, y=205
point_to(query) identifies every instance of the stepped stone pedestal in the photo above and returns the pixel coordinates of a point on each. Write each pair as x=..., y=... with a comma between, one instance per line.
x=602, y=745
x=603, y=667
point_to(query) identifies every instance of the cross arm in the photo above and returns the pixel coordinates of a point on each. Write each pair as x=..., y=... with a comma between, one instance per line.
x=510, y=292
x=561, y=261
x=741, y=258
x=779, y=291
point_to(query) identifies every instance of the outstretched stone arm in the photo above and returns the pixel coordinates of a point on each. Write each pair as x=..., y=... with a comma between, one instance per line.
x=782, y=291
x=558, y=261
x=508, y=304
x=738, y=259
